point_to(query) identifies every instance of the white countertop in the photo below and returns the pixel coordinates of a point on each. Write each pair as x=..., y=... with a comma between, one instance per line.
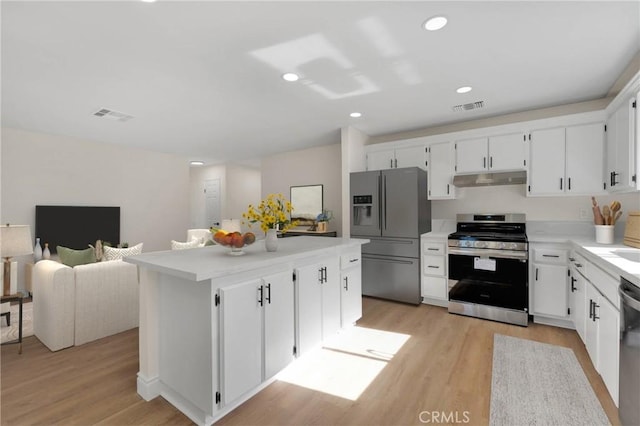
x=610, y=257
x=215, y=261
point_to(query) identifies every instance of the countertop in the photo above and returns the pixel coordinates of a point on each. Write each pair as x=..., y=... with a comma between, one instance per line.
x=209, y=262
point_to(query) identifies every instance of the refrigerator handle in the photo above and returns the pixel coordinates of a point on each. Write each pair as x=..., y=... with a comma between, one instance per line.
x=384, y=182
x=379, y=202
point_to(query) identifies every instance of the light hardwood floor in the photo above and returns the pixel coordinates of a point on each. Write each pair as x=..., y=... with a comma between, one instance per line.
x=445, y=366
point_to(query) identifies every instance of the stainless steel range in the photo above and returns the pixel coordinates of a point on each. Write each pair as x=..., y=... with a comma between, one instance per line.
x=488, y=267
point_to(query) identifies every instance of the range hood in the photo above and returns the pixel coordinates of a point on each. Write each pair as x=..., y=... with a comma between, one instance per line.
x=491, y=179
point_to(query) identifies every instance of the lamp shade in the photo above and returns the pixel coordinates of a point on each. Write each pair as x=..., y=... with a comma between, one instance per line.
x=15, y=240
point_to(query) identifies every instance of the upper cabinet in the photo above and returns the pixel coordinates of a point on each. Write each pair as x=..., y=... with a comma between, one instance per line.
x=566, y=160
x=620, y=132
x=493, y=153
x=440, y=167
x=414, y=156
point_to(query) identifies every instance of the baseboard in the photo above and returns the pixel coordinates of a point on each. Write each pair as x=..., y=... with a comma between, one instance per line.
x=148, y=389
x=435, y=302
x=554, y=322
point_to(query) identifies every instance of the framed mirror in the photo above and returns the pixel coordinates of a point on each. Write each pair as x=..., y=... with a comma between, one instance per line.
x=307, y=203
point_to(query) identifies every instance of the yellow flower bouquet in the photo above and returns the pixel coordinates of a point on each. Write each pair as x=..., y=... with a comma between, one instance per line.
x=272, y=213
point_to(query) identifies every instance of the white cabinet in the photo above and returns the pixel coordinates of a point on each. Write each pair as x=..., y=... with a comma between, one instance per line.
x=351, y=288
x=440, y=167
x=620, y=132
x=395, y=158
x=433, y=278
x=550, y=283
x=566, y=160
x=318, y=302
x=257, y=332
x=601, y=334
x=494, y=153
x=577, y=295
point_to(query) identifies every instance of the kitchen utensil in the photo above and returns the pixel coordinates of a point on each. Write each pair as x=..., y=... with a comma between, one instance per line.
x=597, y=215
x=615, y=206
x=606, y=215
x=617, y=216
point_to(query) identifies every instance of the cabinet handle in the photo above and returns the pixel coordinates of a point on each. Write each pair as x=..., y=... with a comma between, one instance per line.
x=346, y=283
x=484, y=162
x=320, y=275
x=433, y=249
x=578, y=265
x=569, y=184
x=433, y=267
x=491, y=162
x=550, y=255
x=447, y=189
x=614, y=182
x=261, y=298
x=269, y=293
x=353, y=260
x=561, y=183
x=536, y=274
x=573, y=288
x=590, y=308
x=395, y=163
x=594, y=311
x=572, y=259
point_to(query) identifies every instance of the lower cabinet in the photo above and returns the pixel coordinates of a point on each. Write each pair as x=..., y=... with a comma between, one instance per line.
x=351, y=288
x=577, y=300
x=257, y=332
x=318, y=282
x=433, y=277
x=549, y=281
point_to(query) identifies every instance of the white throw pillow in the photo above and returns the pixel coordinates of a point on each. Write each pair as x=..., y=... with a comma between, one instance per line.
x=110, y=253
x=177, y=245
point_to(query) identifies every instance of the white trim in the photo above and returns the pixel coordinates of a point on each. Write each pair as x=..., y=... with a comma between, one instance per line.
x=148, y=388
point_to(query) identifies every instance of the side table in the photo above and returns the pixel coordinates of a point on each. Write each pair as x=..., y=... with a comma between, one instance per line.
x=15, y=298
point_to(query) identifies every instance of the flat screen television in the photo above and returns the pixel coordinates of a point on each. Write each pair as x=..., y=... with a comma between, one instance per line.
x=77, y=226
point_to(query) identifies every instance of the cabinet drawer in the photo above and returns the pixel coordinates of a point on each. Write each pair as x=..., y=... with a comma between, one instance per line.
x=605, y=283
x=350, y=259
x=433, y=265
x=433, y=248
x=553, y=256
x=435, y=288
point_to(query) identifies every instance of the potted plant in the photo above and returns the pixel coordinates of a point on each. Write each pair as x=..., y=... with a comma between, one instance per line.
x=273, y=215
x=323, y=219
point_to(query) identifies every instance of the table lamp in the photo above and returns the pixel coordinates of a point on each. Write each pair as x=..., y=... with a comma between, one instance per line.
x=15, y=240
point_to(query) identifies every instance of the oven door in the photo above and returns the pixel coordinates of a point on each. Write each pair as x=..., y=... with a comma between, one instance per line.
x=489, y=277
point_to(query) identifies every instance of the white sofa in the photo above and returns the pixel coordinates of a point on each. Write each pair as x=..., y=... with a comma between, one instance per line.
x=72, y=306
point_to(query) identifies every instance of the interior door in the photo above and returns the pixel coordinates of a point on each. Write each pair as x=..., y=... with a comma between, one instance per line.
x=400, y=203
x=212, y=203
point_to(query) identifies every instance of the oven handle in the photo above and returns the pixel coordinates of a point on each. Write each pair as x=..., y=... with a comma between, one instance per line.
x=504, y=254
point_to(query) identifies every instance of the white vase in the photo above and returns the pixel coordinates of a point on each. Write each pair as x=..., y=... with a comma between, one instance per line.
x=37, y=251
x=46, y=253
x=271, y=240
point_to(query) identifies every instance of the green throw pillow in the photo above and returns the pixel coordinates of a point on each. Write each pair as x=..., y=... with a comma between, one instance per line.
x=71, y=257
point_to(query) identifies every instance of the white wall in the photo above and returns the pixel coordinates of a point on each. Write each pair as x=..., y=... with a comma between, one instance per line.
x=313, y=166
x=512, y=199
x=149, y=187
x=353, y=160
x=239, y=187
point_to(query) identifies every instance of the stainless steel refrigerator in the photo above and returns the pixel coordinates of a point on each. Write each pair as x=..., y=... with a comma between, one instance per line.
x=390, y=208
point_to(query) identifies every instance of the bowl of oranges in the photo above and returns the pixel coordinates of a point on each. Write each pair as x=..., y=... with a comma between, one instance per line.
x=234, y=240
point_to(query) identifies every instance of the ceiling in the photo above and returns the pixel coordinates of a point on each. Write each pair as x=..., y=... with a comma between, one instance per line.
x=203, y=79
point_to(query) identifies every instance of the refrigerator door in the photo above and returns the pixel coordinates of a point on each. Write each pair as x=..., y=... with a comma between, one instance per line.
x=365, y=203
x=400, y=203
x=392, y=278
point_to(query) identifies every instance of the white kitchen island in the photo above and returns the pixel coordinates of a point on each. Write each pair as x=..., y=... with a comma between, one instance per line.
x=216, y=328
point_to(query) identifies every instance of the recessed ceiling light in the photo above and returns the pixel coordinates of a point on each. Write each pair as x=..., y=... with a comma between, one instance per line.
x=149, y=1
x=435, y=23
x=290, y=76
x=355, y=114
x=197, y=163
x=464, y=89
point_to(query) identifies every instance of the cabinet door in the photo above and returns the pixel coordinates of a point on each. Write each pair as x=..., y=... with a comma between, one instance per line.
x=471, y=155
x=308, y=308
x=624, y=140
x=440, y=167
x=546, y=166
x=279, y=320
x=608, y=319
x=380, y=160
x=591, y=326
x=414, y=156
x=241, y=340
x=331, y=297
x=578, y=303
x=434, y=287
x=351, y=301
x=550, y=290
x=585, y=149
x=507, y=152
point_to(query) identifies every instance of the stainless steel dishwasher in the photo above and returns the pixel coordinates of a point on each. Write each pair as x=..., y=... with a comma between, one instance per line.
x=629, y=398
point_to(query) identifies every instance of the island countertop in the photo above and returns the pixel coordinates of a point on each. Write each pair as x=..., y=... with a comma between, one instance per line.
x=215, y=261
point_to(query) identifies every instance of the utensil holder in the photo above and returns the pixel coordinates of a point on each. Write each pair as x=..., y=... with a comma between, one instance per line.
x=604, y=234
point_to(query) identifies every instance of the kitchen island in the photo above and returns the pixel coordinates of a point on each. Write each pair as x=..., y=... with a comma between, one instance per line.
x=216, y=328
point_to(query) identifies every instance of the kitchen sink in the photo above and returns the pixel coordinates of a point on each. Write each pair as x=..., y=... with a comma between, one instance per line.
x=632, y=255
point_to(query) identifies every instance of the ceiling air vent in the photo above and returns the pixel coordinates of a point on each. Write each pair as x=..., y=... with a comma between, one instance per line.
x=468, y=107
x=112, y=115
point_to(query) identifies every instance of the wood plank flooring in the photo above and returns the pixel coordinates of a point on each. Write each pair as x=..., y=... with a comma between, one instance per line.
x=445, y=366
